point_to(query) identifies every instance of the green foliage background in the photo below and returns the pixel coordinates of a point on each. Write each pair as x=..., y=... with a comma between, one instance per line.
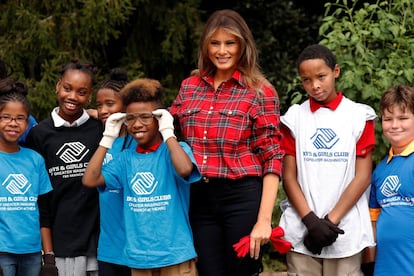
x=372, y=40
x=374, y=45
x=156, y=39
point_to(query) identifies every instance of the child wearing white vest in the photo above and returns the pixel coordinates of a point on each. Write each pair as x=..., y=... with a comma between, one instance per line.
x=328, y=141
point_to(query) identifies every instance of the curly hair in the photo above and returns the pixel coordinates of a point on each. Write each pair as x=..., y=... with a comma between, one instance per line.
x=143, y=90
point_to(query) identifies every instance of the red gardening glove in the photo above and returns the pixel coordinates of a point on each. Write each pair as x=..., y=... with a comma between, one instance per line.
x=282, y=246
x=242, y=247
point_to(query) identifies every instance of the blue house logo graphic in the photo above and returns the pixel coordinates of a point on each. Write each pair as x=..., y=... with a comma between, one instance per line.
x=72, y=152
x=390, y=186
x=324, y=138
x=144, y=183
x=16, y=184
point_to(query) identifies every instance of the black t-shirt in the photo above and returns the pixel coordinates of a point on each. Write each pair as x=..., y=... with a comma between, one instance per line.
x=70, y=210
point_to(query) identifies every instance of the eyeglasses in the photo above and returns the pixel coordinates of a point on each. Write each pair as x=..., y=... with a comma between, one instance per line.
x=8, y=119
x=144, y=118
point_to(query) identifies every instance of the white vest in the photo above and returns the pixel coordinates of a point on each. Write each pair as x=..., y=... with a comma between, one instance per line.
x=325, y=155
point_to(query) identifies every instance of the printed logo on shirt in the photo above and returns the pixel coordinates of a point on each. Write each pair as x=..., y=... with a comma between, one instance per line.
x=144, y=183
x=390, y=186
x=393, y=196
x=16, y=184
x=108, y=158
x=324, y=138
x=72, y=152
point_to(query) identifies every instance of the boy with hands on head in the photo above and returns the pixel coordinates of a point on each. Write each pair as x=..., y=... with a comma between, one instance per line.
x=155, y=179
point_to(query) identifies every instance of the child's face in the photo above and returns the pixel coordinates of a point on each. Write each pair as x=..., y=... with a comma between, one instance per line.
x=318, y=79
x=107, y=103
x=141, y=124
x=11, y=131
x=74, y=90
x=398, y=127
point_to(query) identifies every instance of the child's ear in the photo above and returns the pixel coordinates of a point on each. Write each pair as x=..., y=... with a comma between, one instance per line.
x=337, y=70
x=58, y=85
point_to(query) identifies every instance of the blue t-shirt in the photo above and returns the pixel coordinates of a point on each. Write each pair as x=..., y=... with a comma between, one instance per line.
x=112, y=230
x=392, y=190
x=156, y=203
x=23, y=178
x=32, y=123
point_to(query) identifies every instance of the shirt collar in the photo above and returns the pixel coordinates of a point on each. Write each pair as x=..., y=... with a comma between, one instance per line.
x=314, y=105
x=237, y=76
x=60, y=122
x=407, y=151
x=149, y=149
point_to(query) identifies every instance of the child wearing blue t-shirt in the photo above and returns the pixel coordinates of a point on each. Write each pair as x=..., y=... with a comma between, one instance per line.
x=392, y=191
x=23, y=178
x=155, y=179
x=111, y=258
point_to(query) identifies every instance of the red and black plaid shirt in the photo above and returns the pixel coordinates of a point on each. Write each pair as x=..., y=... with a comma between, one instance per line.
x=233, y=133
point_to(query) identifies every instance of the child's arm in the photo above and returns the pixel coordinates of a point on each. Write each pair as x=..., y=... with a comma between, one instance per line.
x=292, y=187
x=93, y=173
x=368, y=255
x=47, y=244
x=181, y=161
x=355, y=189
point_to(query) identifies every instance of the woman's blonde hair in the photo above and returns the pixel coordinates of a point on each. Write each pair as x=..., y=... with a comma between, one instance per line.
x=233, y=23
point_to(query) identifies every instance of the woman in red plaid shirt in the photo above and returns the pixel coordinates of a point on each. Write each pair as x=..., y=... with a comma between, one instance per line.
x=229, y=114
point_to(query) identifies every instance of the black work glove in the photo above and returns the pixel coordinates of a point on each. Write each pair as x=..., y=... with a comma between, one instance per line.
x=321, y=232
x=49, y=266
x=368, y=268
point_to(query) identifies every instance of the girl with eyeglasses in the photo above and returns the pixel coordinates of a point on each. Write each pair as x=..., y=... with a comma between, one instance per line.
x=23, y=178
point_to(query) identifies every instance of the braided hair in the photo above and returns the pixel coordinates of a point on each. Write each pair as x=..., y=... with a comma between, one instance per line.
x=13, y=91
x=86, y=67
x=118, y=78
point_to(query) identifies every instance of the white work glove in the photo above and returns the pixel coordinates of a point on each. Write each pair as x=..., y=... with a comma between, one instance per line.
x=165, y=123
x=112, y=127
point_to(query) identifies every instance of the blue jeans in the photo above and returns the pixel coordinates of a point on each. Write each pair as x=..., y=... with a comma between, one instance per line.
x=21, y=264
